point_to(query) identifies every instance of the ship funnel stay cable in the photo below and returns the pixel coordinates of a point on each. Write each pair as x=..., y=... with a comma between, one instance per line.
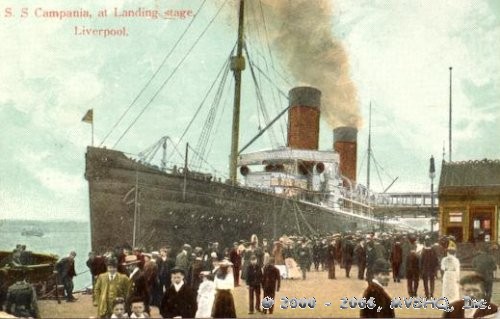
x=155, y=73
x=171, y=74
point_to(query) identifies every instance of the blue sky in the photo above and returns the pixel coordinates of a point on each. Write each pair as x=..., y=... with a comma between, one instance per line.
x=398, y=54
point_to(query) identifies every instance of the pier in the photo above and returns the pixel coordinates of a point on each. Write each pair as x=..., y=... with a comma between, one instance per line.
x=406, y=205
x=316, y=285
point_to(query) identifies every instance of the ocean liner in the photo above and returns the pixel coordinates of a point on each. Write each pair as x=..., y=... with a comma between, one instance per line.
x=294, y=190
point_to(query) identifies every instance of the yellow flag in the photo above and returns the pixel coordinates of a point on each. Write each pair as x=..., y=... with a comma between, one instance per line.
x=89, y=116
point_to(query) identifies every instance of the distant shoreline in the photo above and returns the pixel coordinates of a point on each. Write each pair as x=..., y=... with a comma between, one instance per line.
x=44, y=220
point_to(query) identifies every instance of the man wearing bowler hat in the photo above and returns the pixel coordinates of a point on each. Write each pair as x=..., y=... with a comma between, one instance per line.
x=179, y=299
x=109, y=286
x=381, y=276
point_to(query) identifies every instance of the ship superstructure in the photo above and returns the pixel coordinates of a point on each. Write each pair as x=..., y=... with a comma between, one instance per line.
x=294, y=190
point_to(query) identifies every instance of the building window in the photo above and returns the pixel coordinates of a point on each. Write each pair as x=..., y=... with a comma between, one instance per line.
x=455, y=217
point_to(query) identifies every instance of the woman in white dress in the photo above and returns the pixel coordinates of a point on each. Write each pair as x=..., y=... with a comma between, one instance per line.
x=451, y=266
x=224, y=286
x=206, y=296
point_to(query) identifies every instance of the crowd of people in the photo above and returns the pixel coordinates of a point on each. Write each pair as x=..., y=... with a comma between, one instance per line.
x=198, y=282
x=193, y=283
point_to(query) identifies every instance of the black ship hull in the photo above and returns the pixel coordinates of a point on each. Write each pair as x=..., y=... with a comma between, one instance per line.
x=175, y=209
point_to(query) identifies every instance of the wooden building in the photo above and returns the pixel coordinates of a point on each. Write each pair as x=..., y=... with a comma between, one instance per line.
x=469, y=200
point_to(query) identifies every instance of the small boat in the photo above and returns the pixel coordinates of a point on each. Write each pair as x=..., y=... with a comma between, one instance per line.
x=32, y=232
x=36, y=268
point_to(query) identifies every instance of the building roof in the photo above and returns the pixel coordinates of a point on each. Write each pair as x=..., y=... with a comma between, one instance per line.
x=470, y=173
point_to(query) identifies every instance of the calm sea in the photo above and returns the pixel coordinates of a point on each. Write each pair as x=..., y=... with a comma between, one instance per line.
x=60, y=237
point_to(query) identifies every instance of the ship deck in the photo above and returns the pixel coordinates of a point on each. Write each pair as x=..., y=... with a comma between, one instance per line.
x=316, y=285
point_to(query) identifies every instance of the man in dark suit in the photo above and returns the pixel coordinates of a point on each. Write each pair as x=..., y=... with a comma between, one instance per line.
x=381, y=276
x=66, y=271
x=330, y=259
x=96, y=265
x=371, y=257
x=360, y=253
x=182, y=258
x=412, y=271
x=396, y=259
x=473, y=286
x=347, y=254
x=304, y=256
x=429, y=264
x=316, y=250
x=179, y=299
x=165, y=265
x=139, y=289
x=485, y=265
x=254, y=280
x=271, y=281
x=235, y=258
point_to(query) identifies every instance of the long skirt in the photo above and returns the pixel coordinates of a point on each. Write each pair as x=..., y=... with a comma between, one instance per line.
x=292, y=268
x=224, y=305
x=451, y=288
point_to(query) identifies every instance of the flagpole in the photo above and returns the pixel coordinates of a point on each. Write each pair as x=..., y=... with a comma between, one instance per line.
x=449, y=132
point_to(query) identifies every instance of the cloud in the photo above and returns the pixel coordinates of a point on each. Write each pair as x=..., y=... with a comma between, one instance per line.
x=52, y=178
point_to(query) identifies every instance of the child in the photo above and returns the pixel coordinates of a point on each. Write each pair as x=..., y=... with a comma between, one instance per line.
x=119, y=308
x=137, y=307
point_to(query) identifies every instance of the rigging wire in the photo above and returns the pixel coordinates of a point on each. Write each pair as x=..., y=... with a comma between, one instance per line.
x=263, y=39
x=208, y=126
x=155, y=73
x=213, y=168
x=379, y=178
x=266, y=32
x=256, y=36
x=176, y=149
x=172, y=74
x=153, y=153
x=279, y=76
x=260, y=100
x=269, y=79
x=221, y=71
x=362, y=164
x=383, y=170
x=220, y=118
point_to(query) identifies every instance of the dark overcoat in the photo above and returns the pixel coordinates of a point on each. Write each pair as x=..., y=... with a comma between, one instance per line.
x=412, y=266
x=429, y=262
x=382, y=300
x=179, y=303
x=254, y=276
x=271, y=278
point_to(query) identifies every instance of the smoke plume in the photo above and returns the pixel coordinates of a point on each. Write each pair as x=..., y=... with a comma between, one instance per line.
x=301, y=36
x=313, y=56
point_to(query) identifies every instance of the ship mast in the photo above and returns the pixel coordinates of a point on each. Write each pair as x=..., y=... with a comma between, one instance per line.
x=237, y=65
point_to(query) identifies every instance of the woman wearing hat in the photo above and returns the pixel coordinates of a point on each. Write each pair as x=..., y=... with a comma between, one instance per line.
x=451, y=267
x=224, y=285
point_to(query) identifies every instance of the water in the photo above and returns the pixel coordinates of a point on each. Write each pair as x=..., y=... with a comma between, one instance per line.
x=60, y=237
